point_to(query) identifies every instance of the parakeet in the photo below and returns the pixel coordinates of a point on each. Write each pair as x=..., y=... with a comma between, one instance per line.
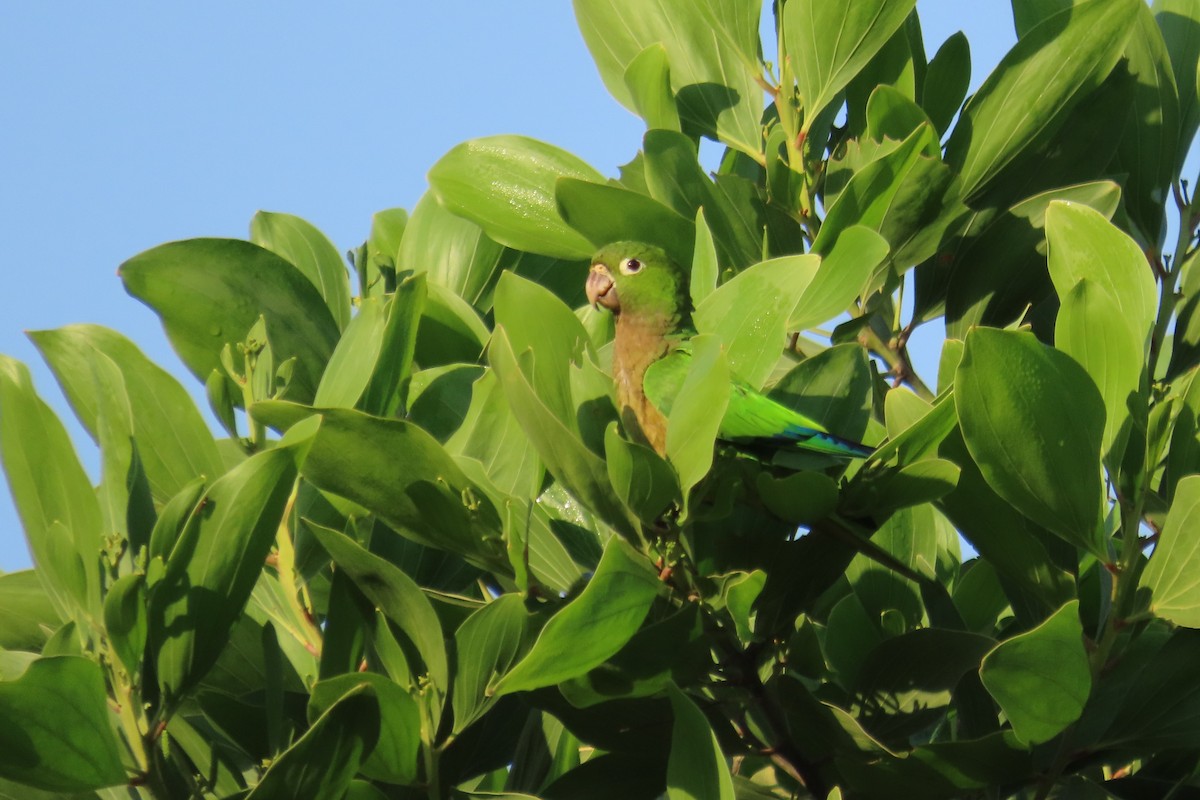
x=649, y=296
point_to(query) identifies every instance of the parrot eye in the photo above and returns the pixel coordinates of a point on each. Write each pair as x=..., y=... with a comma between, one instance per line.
x=630, y=266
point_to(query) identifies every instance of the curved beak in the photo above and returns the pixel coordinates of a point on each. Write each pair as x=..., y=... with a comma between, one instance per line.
x=600, y=288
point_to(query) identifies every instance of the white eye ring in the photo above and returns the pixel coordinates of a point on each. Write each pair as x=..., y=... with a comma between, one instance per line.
x=630, y=266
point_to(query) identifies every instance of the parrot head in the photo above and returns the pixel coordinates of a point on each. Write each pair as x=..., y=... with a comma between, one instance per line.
x=637, y=278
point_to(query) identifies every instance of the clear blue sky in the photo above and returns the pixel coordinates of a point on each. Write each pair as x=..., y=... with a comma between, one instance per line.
x=127, y=125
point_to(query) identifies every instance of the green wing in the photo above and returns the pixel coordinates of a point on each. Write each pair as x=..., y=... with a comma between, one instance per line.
x=751, y=418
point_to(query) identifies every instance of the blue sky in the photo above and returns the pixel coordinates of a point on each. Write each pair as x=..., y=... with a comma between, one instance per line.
x=127, y=125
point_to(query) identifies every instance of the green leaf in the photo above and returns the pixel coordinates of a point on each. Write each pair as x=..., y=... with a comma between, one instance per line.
x=423, y=496
x=696, y=768
x=55, y=725
x=644, y=482
x=802, y=497
x=394, y=756
x=947, y=81
x=1170, y=576
x=213, y=567
x=712, y=50
x=1047, y=72
x=396, y=595
x=841, y=278
x=209, y=292
x=386, y=393
x=534, y=319
x=173, y=442
x=324, y=761
x=1179, y=21
x=491, y=434
x=354, y=359
x=1091, y=329
x=676, y=179
x=892, y=195
x=1084, y=245
x=579, y=470
x=452, y=251
x=705, y=269
x=697, y=412
x=835, y=387
x=125, y=620
x=750, y=313
x=309, y=251
x=1034, y=421
x=829, y=43
x=53, y=495
x=505, y=185
x=605, y=214
x=1041, y=678
x=449, y=331
x=26, y=613
x=487, y=644
x=1150, y=142
x=1009, y=541
x=1001, y=269
x=591, y=628
x=648, y=79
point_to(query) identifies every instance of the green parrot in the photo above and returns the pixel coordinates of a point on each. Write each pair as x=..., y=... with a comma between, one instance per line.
x=648, y=294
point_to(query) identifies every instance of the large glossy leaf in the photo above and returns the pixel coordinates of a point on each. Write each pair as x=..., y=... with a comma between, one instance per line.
x=999, y=270
x=395, y=594
x=26, y=613
x=505, y=184
x=394, y=757
x=696, y=768
x=1091, y=329
x=53, y=495
x=640, y=477
x=1033, y=421
x=834, y=387
x=173, y=442
x=324, y=760
x=454, y=251
x=675, y=178
x=353, y=360
x=1170, y=576
x=1049, y=70
x=311, y=252
x=697, y=412
x=488, y=644
x=491, y=434
x=582, y=472
x=424, y=495
x=1084, y=245
x=842, y=277
x=592, y=627
x=1011, y=542
x=892, y=195
x=604, y=214
x=209, y=292
x=387, y=391
x=648, y=79
x=1179, y=21
x=1150, y=141
x=712, y=50
x=750, y=313
x=829, y=43
x=55, y=727
x=1041, y=678
x=213, y=567
x=947, y=80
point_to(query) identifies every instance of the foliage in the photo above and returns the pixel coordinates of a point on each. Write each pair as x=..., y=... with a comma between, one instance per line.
x=423, y=559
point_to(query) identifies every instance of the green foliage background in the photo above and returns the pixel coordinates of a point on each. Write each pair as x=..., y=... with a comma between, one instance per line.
x=423, y=560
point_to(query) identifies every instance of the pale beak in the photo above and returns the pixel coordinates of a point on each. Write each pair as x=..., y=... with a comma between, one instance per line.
x=600, y=288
